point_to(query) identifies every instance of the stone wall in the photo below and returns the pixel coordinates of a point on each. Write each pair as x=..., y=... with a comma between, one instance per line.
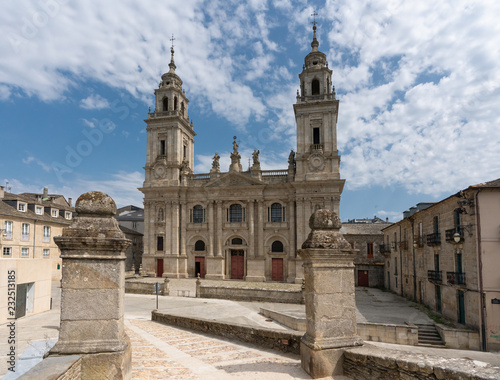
x=286, y=341
x=462, y=339
x=248, y=294
x=369, y=362
x=56, y=368
x=388, y=333
x=138, y=287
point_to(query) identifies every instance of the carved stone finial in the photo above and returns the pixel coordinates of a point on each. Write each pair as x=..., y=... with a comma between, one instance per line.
x=95, y=203
x=325, y=231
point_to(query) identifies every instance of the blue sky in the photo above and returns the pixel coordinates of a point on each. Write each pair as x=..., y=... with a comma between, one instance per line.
x=418, y=84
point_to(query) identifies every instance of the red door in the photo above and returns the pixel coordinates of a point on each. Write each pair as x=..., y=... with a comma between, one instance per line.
x=237, y=264
x=362, y=278
x=277, y=270
x=199, y=266
x=159, y=267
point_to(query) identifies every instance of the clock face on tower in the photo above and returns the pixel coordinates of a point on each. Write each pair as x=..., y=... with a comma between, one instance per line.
x=316, y=162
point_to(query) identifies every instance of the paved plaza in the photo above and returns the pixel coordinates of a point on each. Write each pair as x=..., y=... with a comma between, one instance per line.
x=160, y=351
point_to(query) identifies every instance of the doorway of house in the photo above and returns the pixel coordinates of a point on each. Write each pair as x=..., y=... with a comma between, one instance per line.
x=199, y=266
x=159, y=267
x=237, y=264
x=277, y=269
x=363, y=278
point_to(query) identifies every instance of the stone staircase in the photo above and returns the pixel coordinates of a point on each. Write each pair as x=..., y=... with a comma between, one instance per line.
x=429, y=336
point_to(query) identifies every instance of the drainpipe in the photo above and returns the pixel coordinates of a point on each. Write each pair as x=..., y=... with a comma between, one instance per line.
x=412, y=222
x=480, y=270
x=34, y=238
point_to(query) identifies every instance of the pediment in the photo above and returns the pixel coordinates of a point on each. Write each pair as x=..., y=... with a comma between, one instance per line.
x=234, y=179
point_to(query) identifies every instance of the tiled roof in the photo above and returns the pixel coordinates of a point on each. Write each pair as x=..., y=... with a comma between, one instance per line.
x=494, y=183
x=130, y=213
x=130, y=231
x=363, y=228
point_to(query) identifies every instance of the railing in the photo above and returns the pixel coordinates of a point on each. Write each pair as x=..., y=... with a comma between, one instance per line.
x=419, y=241
x=384, y=248
x=403, y=245
x=168, y=113
x=316, y=147
x=435, y=276
x=455, y=278
x=450, y=235
x=316, y=97
x=434, y=239
x=274, y=173
x=200, y=176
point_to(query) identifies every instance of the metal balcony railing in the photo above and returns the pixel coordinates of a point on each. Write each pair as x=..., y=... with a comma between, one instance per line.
x=450, y=235
x=403, y=245
x=434, y=239
x=435, y=276
x=384, y=248
x=455, y=278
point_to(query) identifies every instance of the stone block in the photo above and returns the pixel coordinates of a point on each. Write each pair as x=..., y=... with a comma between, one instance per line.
x=321, y=363
x=91, y=274
x=91, y=304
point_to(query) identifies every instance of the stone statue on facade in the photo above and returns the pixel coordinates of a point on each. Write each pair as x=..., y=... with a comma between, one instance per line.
x=215, y=164
x=235, y=158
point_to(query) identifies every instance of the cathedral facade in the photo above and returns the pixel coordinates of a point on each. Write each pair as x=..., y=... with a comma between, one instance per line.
x=237, y=224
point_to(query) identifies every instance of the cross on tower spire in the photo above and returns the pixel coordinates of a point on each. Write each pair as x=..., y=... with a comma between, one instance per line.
x=172, y=40
x=314, y=14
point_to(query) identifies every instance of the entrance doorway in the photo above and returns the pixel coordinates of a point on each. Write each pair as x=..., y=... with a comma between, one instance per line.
x=277, y=270
x=25, y=296
x=363, y=278
x=159, y=267
x=237, y=264
x=461, y=307
x=199, y=266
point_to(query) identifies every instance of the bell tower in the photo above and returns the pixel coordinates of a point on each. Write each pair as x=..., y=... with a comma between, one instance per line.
x=170, y=134
x=316, y=112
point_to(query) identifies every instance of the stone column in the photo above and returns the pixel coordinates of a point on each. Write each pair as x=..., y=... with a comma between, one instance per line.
x=329, y=297
x=292, y=274
x=251, y=229
x=93, y=285
x=210, y=222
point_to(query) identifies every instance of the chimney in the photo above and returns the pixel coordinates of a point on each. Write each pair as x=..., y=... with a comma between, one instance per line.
x=387, y=220
x=2, y=192
x=70, y=200
x=45, y=192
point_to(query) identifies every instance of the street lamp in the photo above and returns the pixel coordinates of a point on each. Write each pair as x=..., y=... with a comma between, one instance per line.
x=457, y=237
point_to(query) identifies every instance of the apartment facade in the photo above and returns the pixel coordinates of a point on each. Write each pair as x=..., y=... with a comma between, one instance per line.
x=446, y=255
x=28, y=224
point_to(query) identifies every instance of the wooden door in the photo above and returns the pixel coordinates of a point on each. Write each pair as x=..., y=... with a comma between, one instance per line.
x=363, y=278
x=159, y=267
x=21, y=293
x=277, y=270
x=237, y=264
x=199, y=266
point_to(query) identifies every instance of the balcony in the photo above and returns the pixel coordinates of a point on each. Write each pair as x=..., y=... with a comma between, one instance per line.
x=450, y=235
x=315, y=147
x=418, y=242
x=384, y=248
x=435, y=276
x=403, y=245
x=455, y=278
x=434, y=239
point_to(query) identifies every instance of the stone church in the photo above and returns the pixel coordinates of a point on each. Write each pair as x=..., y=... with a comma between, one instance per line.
x=237, y=224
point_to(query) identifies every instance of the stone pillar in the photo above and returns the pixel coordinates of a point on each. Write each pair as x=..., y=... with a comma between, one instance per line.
x=210, y=221
x=93, y=285
x=329, y=297
x=292, y=253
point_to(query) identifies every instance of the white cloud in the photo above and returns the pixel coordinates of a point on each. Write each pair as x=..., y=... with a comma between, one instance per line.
x=94, y=102
x=28, y=160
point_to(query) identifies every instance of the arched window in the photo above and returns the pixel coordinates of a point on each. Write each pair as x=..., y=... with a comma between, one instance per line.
x=277, y=246
x=198, y=214
x=235, y=213
x=165, y=104
x=182, y=108
x=236, y=241
x=199, y=245
x=315, y=87
x=276, y=212
x=175, y=103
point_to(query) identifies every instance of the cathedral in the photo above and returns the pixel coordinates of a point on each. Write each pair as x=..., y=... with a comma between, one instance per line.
x=237, y=224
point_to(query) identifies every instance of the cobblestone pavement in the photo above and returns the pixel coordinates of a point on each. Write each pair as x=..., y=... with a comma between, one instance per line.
x=160, y=352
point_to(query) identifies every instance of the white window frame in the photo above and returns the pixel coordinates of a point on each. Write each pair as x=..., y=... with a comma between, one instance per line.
x=25, y=232
x=8, y=250
x=46, y=252
x=67, y=215
x=54, y=213
x=21, y=206
x=46, y=234
x=39, y=210
x=25, y=252
x=8, y=229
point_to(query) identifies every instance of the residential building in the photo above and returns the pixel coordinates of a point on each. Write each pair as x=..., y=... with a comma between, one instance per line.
x=131, y=217
x=131, y=221
x=367, y=238
x=446, y=256
x=237, y=224
x=28, y=224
